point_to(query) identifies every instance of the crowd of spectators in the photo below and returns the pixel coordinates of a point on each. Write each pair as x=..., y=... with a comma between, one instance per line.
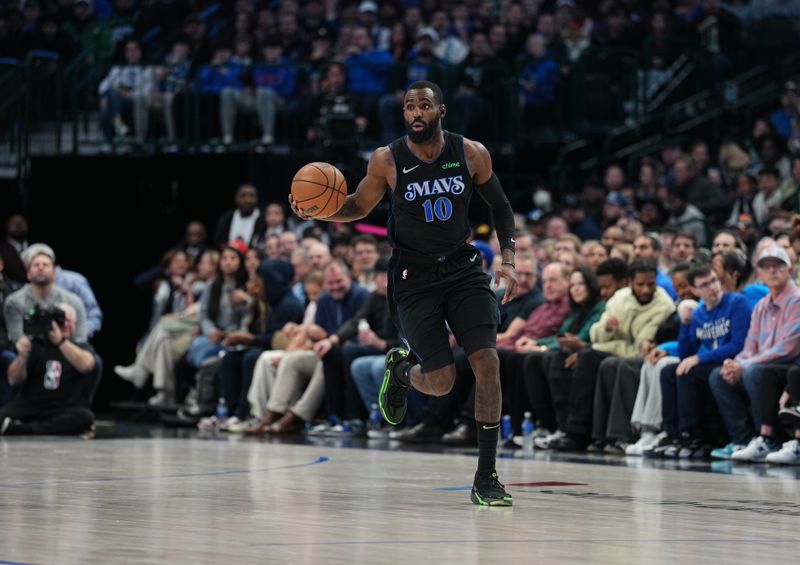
x=275, y=60
x=651, y=320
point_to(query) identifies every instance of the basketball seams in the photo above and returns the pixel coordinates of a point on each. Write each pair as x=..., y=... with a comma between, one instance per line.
x=317, y=169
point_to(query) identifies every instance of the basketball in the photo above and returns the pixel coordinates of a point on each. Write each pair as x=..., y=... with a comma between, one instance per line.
x=319, y=189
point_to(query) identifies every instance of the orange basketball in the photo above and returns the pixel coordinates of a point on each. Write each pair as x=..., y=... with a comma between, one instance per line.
x=319, y=189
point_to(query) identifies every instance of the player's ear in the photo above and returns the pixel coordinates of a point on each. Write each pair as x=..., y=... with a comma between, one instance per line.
x=442, y=110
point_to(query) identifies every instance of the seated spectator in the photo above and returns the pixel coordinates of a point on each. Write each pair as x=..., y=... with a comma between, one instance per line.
x=365, y=256
x=715, y=331
x=244, y=348
x=368, y=70
x=481, y=85
x=593, y=254
x=612, y=275
x=581, y=224
x=352, y=340
x=274, y=82
x=726, y=240
x=292, y=337
x=56, y=375
x=627, y=329
x=781, y=389
x=698, y=192
x=126, y=87
x=169, y=339
x=338, y=118
x=733, y=271
x=684, y=247
x=170, y=80
x=586, y=307
x=784, y=118
x=649, y=247
x=300, y=382
x=223, y=305
x=790, y=189
x=88, y=31
x=538, y=76
x=769, y=196
x=15, y=242
x=746, y=190
x=244, y=222
x=684, y=217
x=73, y=282
x=773, y=339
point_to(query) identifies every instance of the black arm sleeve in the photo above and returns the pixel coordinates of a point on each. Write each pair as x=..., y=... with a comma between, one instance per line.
x=502, y=214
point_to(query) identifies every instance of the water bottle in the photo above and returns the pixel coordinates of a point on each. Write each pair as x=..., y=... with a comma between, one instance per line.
x=374, y=422
x=507, y=429
x=222, y=410
x=527, y=433
x=363, y=326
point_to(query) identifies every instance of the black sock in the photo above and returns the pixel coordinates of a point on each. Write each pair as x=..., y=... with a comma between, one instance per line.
x=487, y=447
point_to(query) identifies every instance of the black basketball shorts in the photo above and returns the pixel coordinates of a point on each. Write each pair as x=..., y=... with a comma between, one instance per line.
x=426, y=296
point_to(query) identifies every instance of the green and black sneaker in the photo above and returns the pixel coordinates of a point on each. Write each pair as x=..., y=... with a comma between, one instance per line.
x=392, y=397
x=490, y=492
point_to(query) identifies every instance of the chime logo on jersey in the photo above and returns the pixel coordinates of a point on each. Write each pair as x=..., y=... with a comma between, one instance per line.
x=445, y=185
x=52, y=375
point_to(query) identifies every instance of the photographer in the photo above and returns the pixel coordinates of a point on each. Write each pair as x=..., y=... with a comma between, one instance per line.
x=42, y=291
x=55, y=375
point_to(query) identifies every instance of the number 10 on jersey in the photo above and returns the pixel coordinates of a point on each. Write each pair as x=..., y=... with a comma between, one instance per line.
x=442, y=208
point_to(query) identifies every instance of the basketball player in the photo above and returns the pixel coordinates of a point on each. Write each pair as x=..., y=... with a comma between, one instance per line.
x=435, y=277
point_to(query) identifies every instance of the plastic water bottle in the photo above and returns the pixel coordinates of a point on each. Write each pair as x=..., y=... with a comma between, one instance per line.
x=375, y=423
x=222, y=410
x=528, y=428
x=363, y=325
x=507, y=429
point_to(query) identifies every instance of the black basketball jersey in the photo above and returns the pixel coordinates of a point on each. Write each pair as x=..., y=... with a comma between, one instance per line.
x=430, y=202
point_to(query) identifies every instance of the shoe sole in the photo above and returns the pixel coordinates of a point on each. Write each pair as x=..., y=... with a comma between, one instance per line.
x=480, y=501
x=387, y=375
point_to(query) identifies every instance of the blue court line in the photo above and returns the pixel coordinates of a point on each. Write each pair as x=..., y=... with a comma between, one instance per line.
x=150, y=478
x=485, y=541
x=14, y=563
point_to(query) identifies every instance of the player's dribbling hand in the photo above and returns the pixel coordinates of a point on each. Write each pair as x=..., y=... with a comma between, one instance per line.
x=507, y=272
x=298, y=212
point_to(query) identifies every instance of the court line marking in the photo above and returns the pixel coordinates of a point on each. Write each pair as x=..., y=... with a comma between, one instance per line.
x=14, y=563
x=229, y=472
x=483, y=541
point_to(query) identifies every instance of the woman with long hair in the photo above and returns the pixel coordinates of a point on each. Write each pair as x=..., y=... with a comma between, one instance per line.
x=586, y=307
x=223, y=305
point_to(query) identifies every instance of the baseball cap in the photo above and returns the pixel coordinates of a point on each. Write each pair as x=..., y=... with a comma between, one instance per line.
x=367, y=6
x=775, y=252
x=37, y=249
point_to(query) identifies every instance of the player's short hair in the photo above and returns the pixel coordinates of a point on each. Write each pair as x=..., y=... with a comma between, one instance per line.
x=438, y=97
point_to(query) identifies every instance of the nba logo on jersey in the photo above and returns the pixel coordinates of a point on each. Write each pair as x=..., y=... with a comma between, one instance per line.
x=52, y=376
x=405, y=274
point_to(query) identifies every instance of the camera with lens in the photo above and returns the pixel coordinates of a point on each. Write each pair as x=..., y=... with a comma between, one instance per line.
x=38, y=322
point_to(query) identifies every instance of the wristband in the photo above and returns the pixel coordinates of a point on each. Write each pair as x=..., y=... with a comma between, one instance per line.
x=60, y=343
x=510, y=264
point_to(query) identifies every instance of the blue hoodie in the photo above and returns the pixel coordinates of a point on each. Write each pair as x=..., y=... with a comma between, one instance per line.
x=718, y=334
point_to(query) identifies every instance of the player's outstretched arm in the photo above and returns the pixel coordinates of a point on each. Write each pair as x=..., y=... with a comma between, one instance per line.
x=368, y=193
x=487, y=185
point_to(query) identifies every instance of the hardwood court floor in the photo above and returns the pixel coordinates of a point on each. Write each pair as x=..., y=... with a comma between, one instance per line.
x=191, y=500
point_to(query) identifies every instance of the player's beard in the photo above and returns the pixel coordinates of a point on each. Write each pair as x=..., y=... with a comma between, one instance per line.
x=426, y=134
